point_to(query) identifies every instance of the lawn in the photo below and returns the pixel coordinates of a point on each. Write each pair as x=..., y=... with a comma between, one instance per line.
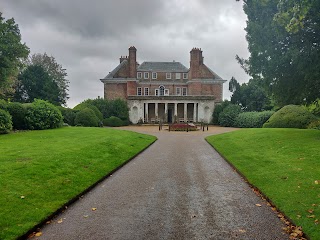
x=284, y=164
x=42, y=170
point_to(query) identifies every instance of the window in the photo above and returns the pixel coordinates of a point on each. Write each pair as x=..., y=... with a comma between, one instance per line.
x=146, y=75
x=157, y=92
x=178, y=75
x=161, y=90
x=154, y=75
x=184, y=91
x=185, y=75
x=166, y=92
x=178, y=91
x=139, y=75
x=168, y=75
x=139, y=91
x=146, y=91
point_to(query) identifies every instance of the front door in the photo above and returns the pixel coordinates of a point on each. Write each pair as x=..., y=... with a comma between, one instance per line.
x=170, y=115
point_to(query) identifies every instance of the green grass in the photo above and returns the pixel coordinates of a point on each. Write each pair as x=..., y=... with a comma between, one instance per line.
x=284, y=164
x=51, y=167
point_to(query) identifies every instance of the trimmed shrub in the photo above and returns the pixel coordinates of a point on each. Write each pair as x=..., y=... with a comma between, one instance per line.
x=68, y=115
x=252, y=119
x=86, y=118
x=84, y=105
x=290, y=116
x=217, y=110
x=42, y=115
x=18, y=113
x=113, y=122
x=228, y=116
x=5, y=122
x=3, y=104
x=314, y=125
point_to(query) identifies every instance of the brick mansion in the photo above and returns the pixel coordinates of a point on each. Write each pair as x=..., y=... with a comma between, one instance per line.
x=165, y=91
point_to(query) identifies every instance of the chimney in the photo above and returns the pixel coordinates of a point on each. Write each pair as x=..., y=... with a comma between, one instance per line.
x=196, y=60
x=132, y=62
x=122, y=58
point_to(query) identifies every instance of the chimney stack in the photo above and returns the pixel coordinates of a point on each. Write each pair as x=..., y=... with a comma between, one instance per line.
x=132, y=62
x=196, y=60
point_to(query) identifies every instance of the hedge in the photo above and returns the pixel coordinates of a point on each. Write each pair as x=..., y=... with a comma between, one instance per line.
x=229, y=114
x=252, y=119
x=86, y=118
x=5, y=122
x=113, y=122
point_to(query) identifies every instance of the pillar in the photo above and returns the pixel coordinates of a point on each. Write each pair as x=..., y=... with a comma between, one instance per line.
x=146, y=112
x=185, y=112
x=166, y=112
x=156, y=110
x=175, y=112
x=195, y=112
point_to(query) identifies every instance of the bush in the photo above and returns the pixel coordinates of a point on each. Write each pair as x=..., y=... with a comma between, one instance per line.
x=252, y=119
x=228, y=116
x=42, y=115
x=5, y=122
x=314, y=108
x=86, y=118
x=3, y=104
x=217, y=110
x=18, y=113
x=314, y=125
x=68, y=115
x=84, y=105
x=290, y=116
x=113, y=122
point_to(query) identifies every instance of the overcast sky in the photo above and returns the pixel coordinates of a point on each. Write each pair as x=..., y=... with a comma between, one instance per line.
x=88, y=37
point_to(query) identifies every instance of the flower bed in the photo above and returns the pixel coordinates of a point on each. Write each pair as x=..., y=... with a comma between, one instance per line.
x=183, y=127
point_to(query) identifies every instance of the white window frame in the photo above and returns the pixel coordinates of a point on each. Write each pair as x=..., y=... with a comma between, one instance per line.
x=166, y=92
x=178, y=76
x=146, y=75
x=168, y=75
x=178, y=91
x=139, y=75
x=139, y=90
x=156, y=92
x=185, y=75
x=146, y=91
x=160, y=90
x=154, y=75
x=184, y=91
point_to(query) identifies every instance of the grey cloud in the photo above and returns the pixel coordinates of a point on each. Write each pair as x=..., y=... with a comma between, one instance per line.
x=88, y=37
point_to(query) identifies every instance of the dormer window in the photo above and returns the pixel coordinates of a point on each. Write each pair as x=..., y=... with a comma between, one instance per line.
x=146, y=75
x=139, y=75
x=185, y=75
x=168, y=75
x=154, y=75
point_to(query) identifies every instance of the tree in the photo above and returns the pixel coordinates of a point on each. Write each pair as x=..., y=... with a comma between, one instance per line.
x=286, y=59
x=55, y=71
x=12, y=51
x=36, y=83
x=250, y=96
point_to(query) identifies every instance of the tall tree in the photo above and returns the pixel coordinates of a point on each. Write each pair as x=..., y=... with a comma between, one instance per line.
x=55, y=71
x=36, y=83
x=286, y=58
x=12, y=51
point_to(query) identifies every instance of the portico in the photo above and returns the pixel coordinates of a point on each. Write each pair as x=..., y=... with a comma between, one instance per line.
x=171, y=109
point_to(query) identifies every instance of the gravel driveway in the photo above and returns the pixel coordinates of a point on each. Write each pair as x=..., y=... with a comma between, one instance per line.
x=179, y=188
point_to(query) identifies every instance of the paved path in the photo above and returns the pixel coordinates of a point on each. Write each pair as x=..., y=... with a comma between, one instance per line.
x=179, y=188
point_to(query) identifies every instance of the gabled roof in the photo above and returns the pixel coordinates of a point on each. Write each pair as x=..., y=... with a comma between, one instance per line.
x=162, y=67
x=114, y=71
x=216, y=76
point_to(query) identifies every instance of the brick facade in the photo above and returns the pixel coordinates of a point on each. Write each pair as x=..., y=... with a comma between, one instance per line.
x=159, y=80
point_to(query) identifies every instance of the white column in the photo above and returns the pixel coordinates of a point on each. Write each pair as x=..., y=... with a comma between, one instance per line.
x=195, y=112
x=185, y=112
x=166, y=112
x=147, y=113
x=156, y=110
x=175, y=112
